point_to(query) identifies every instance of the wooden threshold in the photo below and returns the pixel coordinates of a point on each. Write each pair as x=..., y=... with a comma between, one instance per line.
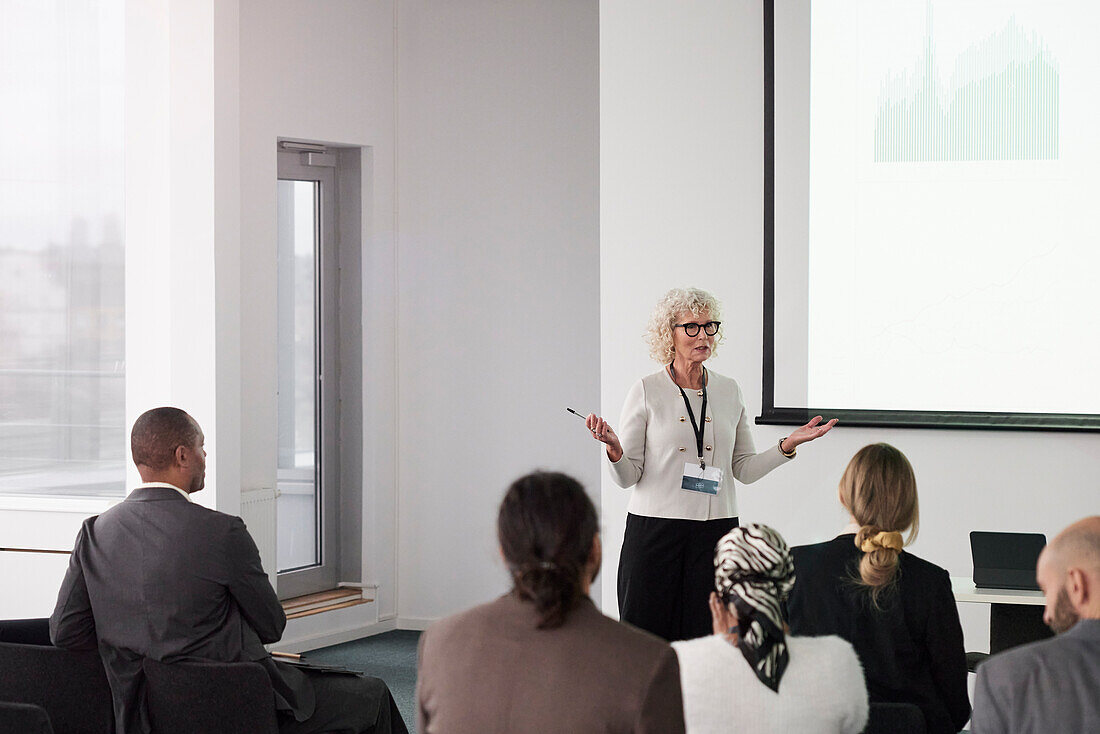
x=323, y=601
x=311, y=612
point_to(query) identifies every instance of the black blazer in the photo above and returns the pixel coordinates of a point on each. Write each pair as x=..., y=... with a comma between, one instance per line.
x=911, y=650
x=159, y=577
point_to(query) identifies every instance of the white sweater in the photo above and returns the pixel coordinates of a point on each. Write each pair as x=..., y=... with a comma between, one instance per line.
x=657, y=438
x=822, y=691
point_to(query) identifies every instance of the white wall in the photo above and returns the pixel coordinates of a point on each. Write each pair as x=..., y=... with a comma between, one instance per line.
x=498, y=324
x=322, y=72
x=31, y=580
x=681, y=160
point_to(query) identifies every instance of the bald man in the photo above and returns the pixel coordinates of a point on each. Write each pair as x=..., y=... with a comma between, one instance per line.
x=159, y=577
x=1052, y=685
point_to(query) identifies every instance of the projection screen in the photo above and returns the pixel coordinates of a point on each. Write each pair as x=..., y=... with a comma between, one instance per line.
x=931, y=185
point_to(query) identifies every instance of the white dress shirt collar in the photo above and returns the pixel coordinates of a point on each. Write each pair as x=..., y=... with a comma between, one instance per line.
x=147, y=485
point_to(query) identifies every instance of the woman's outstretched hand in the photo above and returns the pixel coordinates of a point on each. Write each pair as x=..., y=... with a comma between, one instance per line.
x=602, y=432
x=804, y=434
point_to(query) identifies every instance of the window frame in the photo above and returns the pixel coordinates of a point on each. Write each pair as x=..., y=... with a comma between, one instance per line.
x=294, y=166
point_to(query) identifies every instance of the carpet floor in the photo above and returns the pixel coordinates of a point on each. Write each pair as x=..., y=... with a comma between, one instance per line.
x=390, y=656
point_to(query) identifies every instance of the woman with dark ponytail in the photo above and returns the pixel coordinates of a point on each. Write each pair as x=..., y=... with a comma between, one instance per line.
x=549, y=538
x=542, y=657
x=896, y=609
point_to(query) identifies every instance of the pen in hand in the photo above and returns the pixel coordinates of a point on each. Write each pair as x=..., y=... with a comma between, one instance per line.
x=604, y=435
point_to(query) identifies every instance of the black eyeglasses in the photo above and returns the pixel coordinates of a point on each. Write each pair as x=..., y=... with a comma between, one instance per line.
x=692, y=328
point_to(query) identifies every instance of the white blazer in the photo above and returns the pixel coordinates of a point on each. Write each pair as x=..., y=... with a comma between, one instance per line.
x=657, y=439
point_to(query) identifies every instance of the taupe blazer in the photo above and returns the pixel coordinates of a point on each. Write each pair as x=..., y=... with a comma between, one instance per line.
x=490, y=669
x=157, y=576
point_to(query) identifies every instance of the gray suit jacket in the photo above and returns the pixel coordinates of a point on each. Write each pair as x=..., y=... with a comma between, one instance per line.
x=1047, y=686
x=489, y=670
x=157, y=576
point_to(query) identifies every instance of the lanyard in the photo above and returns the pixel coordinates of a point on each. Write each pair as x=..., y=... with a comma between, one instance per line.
x=699, y=426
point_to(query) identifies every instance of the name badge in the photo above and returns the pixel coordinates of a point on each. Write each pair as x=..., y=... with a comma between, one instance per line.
x=706, y=480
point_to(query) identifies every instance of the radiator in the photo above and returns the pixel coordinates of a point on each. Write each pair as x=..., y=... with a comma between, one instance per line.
x=258, y=513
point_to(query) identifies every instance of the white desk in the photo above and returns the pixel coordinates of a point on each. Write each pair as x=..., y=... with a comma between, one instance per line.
x=1015, y=616
x=965, y=591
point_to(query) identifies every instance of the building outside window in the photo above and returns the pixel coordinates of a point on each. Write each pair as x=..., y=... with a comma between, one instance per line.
x=62, y=321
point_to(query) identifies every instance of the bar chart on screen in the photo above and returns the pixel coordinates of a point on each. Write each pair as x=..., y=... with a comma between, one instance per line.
x=1000, y=102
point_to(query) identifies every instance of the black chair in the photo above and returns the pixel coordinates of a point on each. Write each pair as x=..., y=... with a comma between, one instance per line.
x=25, y=631
x=895, y=718
x=974, y=659
x=69, y=685
x=24, y=718
x=1010, y=625
x=209, y=698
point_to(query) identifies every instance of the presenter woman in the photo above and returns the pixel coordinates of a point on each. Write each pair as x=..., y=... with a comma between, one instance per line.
x=684, y=439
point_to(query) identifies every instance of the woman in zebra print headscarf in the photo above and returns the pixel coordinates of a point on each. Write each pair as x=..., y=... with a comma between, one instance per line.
x=809, y=684
x=753, y=574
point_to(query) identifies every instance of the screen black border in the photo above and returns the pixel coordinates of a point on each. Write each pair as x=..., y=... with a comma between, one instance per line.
x=775, y=415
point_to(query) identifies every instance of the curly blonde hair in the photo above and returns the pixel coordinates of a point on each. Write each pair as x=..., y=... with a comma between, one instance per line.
x=678, y=301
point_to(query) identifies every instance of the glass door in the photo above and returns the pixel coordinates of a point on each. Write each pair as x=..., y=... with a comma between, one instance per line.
x=307, y=490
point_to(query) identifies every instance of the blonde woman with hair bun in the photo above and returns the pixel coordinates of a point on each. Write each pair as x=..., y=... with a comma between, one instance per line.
x=879, y=491
x=897, y=610
x=683, y=438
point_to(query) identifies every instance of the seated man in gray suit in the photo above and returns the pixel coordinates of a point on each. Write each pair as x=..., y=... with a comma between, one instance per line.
x=160, y=577
x=1052, y=685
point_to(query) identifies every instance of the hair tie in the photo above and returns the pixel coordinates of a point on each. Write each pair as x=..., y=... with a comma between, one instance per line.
x=884, y=539
x=525, y=568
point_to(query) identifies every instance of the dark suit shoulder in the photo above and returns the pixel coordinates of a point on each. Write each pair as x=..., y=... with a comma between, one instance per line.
x=828, y=596
x=231, y=522
x=916, y=566
x=165, y=509
x=842, y=550
x=169, y=500
x=808, y=554
x=824, y=556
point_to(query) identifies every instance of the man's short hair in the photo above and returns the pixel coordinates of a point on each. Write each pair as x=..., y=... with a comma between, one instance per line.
x=157, y=433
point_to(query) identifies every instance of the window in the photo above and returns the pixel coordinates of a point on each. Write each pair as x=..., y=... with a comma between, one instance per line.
x=62, y=367
x=308, y=461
